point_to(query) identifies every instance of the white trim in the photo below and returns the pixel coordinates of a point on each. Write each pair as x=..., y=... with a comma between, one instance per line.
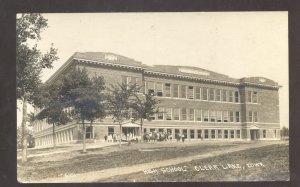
x=108, y=63
x=190, y=77
x=198, y=100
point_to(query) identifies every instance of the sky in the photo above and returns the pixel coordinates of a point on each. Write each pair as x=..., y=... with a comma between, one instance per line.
x=237, y=44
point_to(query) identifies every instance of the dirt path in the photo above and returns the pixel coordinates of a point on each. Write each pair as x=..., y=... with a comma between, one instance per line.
x=70, y=148
x=106, y=173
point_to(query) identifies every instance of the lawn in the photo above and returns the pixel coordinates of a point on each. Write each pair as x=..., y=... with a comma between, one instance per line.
x=274, y=158
x=270, y=163
x=75, y=162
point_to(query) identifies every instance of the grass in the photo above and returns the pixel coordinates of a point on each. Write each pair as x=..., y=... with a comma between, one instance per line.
x=108, y=157
x=275, y=159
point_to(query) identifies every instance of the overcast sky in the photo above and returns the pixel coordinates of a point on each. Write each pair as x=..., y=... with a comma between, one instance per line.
x=239, y=44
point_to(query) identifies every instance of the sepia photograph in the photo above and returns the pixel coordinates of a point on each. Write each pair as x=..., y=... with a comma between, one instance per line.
x=152, y=97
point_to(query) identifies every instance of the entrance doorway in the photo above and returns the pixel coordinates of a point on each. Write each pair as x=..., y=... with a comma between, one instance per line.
x=129, y=133
x=254, y=134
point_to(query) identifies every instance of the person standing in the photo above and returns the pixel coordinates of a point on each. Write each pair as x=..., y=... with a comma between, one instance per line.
x=183, y=137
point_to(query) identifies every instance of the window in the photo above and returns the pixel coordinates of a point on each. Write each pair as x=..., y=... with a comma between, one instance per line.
x=183, y=114
x=250, y=116
x=220, y=134
x=192, y=133
x=197, y=92
x=133, y=80
x=151, y=88
x=175, y=113
x=177, y=131
x=129, y=80
x=211, y=94
x=152, y=130
x=89, y=132
x=124, y=79
x=133, y=112
x=190, y=92
x=218, y=95
x=169, y=131
x=264, y=134
x=249, y=96
x=198, y=115
x=213, y=134
x=110, y=130
x=238, y=133
x=168, y=113
x=206, y=134
x=219, y=116
x=231, y=96
x=183, y=91
x=236, y=96
x=232, y=134
x=145, y=130
x=160, y=114
x=237, y=116
x=167, y=90
x=254, y=97
x=226, y=134
x=255, y=116
x=212, y=116
x=175, y=90
x=204, y=94
x=159, y=89
x=199, y=133
x=205, y=115
x=225, y=116
x=161, y=130
x=191, y=114
x=224, y=96
x=152, y=117
x=231, y=116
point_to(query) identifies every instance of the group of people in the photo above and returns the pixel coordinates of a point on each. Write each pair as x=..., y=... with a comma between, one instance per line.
x=157, y=136
x=112, y=137
x=149, y=136
x=116, y=136
x=180, y=137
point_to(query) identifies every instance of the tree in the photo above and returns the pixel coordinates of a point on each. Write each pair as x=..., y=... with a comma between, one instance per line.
x=53, y=110
x=86, y=95
x=29, y=64
x=144, y=107
x=120, y=103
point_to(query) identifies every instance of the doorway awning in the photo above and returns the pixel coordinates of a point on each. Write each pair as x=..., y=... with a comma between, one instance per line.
x=130, y=125
x=254, y=127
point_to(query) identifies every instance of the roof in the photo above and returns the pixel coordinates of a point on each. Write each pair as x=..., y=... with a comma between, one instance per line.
x=191, y=71
x=108, y=57
x=114, y=60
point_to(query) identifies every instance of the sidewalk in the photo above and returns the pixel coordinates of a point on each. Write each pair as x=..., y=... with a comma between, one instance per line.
x=71, y=147
x=96, y=176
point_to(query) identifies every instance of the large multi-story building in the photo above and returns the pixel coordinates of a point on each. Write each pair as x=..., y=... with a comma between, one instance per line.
x=198, y=103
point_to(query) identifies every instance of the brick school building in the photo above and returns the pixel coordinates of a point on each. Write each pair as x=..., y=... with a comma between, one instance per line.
x=201, y=104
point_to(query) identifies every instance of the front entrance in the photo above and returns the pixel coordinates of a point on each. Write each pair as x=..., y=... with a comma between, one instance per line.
x=129, y=133
x=254, y=134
